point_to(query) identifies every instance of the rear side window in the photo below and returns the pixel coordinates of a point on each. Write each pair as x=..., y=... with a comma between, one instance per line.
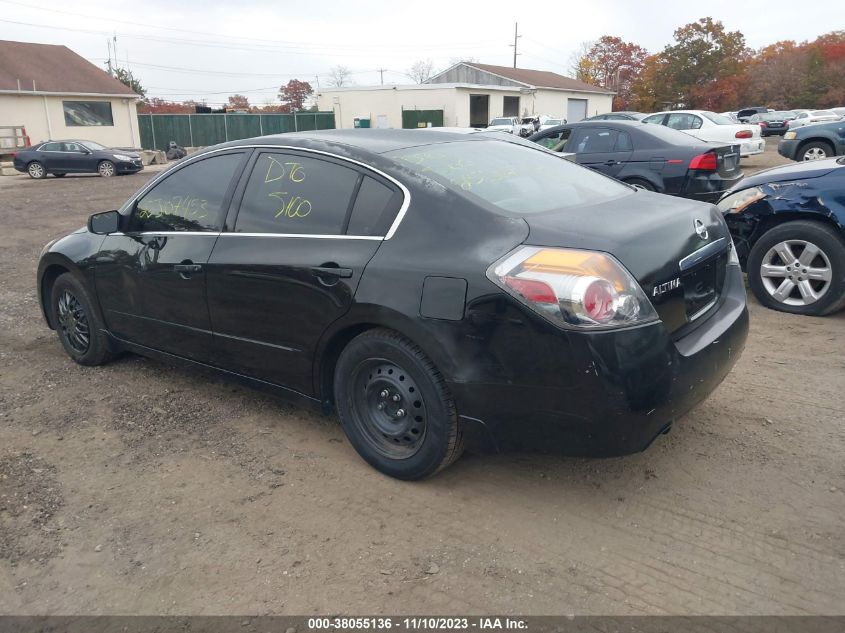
x=375, y=208
x=289, y=193
x=51, y=147
x=190, y=199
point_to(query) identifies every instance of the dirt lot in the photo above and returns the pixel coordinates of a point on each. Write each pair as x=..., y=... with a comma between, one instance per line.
x=141, y=488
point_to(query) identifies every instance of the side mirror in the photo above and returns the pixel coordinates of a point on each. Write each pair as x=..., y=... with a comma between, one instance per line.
x=104, y=223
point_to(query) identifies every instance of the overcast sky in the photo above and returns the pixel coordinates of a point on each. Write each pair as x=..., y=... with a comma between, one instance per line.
x=207, y=50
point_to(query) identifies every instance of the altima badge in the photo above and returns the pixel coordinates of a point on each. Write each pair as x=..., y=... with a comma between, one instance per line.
x=700, y=229
x=660, y=289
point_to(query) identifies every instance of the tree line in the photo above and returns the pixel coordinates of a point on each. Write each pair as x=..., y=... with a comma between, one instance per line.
x=710, y=68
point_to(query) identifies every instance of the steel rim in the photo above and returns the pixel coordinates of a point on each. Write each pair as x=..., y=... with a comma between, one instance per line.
x=106, y=169
x=388, y=408
x=36, y=170
x=796, y=272
x=73, y=322
x=815, y=153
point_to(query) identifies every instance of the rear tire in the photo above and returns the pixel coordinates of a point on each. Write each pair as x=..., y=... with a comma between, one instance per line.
x=817, y=150
x=394, y=406
x=779, y=284
x=640, y=182
x=36, y=170
x=80, y=330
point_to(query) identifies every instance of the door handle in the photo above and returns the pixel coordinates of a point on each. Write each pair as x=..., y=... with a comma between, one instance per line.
x=332, y=271
x=188, y=268
x=611, y=163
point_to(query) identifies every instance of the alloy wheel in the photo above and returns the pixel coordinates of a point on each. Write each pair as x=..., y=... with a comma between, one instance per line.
x=36, y=170
x=388, y=408
x=815, y=153
x=73, y=322
x=106, y=169
x=796, y=272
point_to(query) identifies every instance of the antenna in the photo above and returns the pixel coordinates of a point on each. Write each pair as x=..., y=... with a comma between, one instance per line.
x=516, y=37
x=381, y=73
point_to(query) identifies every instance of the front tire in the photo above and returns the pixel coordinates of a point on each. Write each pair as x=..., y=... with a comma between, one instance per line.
x=394, y=406
x=106, y=169
x=36, y=170
x=799, y=267
x=77, y=324
x=817, y=150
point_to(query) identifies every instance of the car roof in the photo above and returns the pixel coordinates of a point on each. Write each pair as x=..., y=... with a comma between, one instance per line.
x=374, y=141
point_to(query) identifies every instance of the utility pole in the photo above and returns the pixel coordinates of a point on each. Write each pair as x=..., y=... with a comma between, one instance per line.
x=381, y=73
x=516, y=37
x=108, y=63
x=317, y=78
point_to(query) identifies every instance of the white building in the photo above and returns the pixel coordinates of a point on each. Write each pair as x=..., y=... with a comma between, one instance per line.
x=467, y=95
x=56, y=94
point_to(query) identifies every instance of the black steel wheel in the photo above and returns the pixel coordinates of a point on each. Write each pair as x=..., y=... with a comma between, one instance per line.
x=394, y=406
x=77, y=324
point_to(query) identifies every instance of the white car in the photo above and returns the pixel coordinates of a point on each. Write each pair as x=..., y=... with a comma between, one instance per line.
x=508, y=124
x=805, y=117
x=709, y=126
x=547, y=123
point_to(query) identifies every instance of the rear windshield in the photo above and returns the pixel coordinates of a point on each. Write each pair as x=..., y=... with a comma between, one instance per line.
x=553, y=122
x=513, y=177
x=718, y=119
x=670, y=135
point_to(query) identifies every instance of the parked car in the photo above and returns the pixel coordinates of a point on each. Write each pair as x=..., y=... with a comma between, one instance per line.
x=772, y=122
x=528, y=126
x=75, y=157
x=508, y=124
x=839, y=111
x=618, y=116
x=709, y=126
x=788, y=224
x=744, y=115
x=814, y=142
x=435, y=289
x=550, y=123
x=806, y=117
x=650, y=156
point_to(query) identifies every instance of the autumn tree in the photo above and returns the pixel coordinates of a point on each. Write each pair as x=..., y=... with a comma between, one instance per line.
x=238, y=102
x=295, y=93
x=421, y=71
x=155, y=105
x=610, y=62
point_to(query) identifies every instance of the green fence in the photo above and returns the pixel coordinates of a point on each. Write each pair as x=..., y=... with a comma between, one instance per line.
x=421, y=118
x=201, y=130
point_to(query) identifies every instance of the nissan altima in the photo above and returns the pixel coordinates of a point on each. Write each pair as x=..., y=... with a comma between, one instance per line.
x=436, y=290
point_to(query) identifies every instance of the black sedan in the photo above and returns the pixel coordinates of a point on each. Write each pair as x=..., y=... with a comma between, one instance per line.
x=75, y=157
x=814, y=142
x=653, y=157
x=434, y=289
x=772, y=122
x=788, y=224
x=622, y=115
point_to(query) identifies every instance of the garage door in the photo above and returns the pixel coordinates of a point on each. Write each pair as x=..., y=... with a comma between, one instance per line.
x=576, y=110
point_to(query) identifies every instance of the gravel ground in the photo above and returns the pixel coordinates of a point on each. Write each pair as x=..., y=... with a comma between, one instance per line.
x=141, y=488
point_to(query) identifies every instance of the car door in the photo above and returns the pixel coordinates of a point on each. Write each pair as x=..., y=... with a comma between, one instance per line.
x=604, y=149
x=304, y=228
x=75, y=158
x=151, y=279
x=50, y=155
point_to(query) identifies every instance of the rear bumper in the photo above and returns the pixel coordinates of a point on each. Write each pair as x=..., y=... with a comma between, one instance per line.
x=752, y=147
x=626, y=386
x=708, y=187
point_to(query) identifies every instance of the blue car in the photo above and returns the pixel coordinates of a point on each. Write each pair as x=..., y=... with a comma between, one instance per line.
x=788, y=224
x=60, y=158
x=814, y=142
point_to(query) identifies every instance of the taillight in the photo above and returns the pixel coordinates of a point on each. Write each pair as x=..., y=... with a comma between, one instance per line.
x=744, y=134
x=704, y=162
x=573, y=288
x=786, y=124
x=762, y=124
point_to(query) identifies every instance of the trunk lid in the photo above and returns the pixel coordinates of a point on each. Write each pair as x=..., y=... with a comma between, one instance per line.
x=675, y=248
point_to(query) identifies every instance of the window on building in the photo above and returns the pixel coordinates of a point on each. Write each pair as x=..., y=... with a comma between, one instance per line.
x=84, y=113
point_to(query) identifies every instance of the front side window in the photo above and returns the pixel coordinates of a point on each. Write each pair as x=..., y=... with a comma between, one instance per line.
x=84, y=113
x=594, y=141
x=74, y=147
x=190, y=199
x=514, y=178
x=555, y=140
x=289, y=193
x=683, y=121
